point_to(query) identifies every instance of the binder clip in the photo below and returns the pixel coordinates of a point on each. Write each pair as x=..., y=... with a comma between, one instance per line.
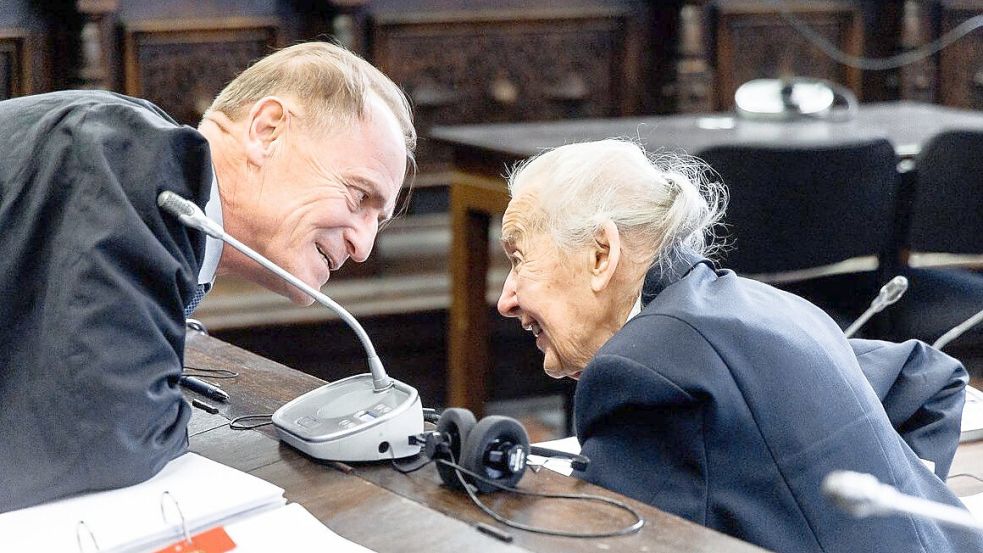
x=163, y=513
x=215, y=540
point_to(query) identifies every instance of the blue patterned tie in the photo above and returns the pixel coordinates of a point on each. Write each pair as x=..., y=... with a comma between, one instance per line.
x=200, y=292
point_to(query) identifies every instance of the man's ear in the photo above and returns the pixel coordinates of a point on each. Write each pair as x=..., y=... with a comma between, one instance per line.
x=267, y=124
x=605, y=254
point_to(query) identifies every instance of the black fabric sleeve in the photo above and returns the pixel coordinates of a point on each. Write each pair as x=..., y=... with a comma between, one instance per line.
x=91, y=391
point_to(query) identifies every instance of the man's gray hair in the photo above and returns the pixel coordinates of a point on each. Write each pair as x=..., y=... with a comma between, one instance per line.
x=331, y=83
x=661, y=203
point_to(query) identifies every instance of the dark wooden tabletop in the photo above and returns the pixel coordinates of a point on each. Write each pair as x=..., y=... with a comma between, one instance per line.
x=382, y=509
x=908, y=125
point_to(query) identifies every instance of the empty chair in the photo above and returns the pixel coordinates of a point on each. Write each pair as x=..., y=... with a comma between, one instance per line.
x=944, y=249
x=814, y=219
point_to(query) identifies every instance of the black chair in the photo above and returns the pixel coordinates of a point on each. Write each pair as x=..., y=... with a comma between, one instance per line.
x=813, y=219
x=944, y=247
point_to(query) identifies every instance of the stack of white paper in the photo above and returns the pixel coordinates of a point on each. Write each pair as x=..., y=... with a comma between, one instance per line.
x=974, y=503
x=146, y=517
x=290, y=528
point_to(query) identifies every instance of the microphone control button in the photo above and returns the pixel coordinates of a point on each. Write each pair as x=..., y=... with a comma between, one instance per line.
x=307, y=422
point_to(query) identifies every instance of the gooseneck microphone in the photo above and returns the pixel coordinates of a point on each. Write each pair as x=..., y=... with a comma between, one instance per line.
x=958, y=330
x=192, y=216
x=365, y=417
x=890, y=293
x=862, y=495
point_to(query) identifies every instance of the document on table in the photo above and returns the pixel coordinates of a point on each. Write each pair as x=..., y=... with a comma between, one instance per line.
x=147, y=516
x=974, y=503
x=289, y=528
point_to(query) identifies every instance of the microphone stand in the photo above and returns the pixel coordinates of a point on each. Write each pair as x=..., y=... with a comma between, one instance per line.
x=862, y=496
x=889, y=294
x=958, y=330
x=364, y=417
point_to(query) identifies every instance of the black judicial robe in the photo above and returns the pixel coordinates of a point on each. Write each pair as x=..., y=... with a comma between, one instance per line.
x=727, y=402
x=93, y=281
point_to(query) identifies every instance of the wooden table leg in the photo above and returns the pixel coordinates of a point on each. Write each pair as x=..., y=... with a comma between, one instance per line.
x=468, y=320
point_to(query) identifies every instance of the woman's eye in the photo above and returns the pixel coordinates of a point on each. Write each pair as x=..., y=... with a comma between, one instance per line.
x=358, y=196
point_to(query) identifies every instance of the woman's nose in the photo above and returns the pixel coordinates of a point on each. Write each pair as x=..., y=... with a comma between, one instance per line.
x=508, y=305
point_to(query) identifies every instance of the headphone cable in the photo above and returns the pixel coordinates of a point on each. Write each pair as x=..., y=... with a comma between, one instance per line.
x=633, y=528
x=407, y=468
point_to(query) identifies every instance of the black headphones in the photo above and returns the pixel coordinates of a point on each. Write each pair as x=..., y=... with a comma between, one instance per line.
x=492, y=454
x=496, y=448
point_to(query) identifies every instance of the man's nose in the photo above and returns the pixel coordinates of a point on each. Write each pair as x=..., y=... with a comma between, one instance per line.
x=508, y=304
x=361, y=238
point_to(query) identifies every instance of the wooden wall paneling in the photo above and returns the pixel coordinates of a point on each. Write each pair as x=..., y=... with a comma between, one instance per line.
x=508, y=65
x=754, y=41
x=961, y=64
x=27, y=28
x=15, y=63
x=180, y=65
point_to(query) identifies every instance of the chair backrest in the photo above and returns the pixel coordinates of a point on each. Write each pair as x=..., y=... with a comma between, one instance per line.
x=947, y=211
x=804, y=206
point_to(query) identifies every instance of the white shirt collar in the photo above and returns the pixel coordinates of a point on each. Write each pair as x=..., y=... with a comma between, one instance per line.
x=213, y=246
x=635, y=309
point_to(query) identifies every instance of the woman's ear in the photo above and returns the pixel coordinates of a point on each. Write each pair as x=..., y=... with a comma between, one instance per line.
x=605, y=254
x=267, y=123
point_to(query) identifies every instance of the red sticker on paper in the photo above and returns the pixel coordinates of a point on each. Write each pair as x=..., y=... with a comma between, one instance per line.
x=215, y=540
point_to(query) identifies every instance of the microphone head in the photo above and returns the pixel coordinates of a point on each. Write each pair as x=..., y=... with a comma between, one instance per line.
x=854, y=492
x=893, y=290
x=174, y=204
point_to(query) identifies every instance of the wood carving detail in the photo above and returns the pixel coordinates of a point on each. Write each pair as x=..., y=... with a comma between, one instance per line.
x=961, y=64
x=469, y=73
x=760, y=43
x=183, y=77
x=770, y=48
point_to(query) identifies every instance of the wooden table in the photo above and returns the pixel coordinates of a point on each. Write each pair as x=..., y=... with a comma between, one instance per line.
x=483, y=154
x=374, y=505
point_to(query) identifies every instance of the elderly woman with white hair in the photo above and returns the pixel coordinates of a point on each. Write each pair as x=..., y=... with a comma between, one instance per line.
x=711, y=396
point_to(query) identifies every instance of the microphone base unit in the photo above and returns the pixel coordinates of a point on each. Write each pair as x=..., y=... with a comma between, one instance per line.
x=348, y=420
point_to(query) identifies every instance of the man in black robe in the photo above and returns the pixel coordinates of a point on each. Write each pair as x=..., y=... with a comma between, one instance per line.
x=300, y=157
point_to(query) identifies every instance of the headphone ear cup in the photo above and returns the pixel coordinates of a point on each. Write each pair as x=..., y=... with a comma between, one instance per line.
x=491, y=434
x=457, y=424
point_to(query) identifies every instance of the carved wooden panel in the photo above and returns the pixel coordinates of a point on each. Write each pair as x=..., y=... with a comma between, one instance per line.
x=507, y=67
x=15, y=78
x=961, y=63
x=181, y=66
x=754, y=41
